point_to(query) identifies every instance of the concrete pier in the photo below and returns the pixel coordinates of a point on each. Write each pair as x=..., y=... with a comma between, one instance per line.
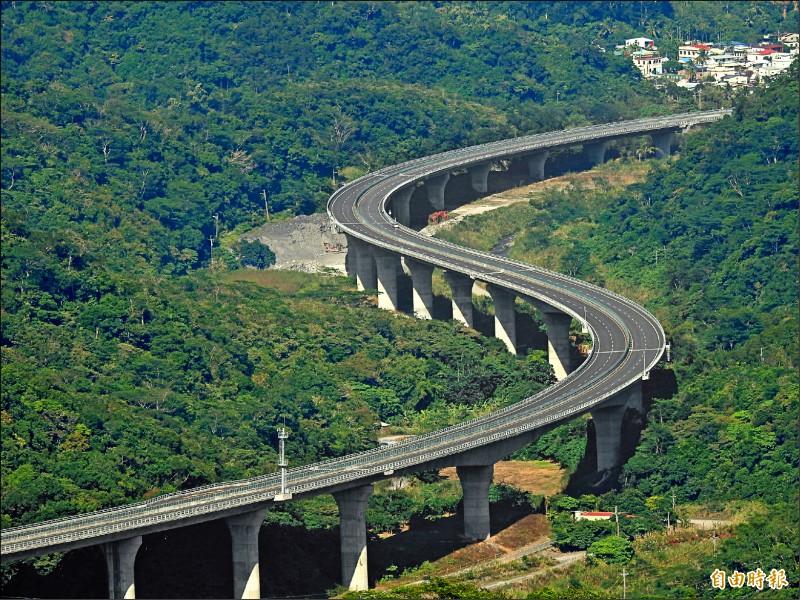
x=120, y=561
x=461, y=288
x=353, y=530
x=422, y=290
x=402, y=205
x=505, y=318
x=435, y=188
x=595, y=153
x=663, y=143
x=244, y=530
x=388, y=264
x=608, y=435
x=475, y=486
x=607, y=420
x=536, y=164
x=559, y=352
x=479, y=177
x=361, y=263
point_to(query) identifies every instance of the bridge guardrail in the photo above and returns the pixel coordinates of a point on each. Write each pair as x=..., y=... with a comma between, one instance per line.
x=498, y=425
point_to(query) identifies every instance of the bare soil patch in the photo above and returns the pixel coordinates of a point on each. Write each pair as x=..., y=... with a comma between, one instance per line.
x=607, y=174
x=535, y=477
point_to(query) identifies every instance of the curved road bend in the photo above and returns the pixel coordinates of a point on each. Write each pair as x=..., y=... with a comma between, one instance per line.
x=627, y=342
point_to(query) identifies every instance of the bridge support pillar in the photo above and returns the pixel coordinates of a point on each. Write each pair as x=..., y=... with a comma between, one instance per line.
x=479, y=177
x=608, y=434
x=663, y=143
x=435, y=187
x=120, y=560
x=244, y=530
x=353, y=531
x=595, y=153
x=360, y=263
x=421, y=274
x=559, y=353
x=475, y=487
x=505, y=325
x=536, y=164
x=388, y=265
x=402, y=205
x=607, y=419
x=461, y=288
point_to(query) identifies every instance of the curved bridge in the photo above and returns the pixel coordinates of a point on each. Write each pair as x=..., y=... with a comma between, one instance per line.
x=627, y=343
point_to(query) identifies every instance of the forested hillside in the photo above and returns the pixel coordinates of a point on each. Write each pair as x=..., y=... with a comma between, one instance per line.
x=708, y=243
x=134, y=133
x=130, y=124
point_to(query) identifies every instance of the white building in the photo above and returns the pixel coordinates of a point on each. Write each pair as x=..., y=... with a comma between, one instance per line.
x=790, y=40
x=650, y=66
x=692, y=51
x=641, y=42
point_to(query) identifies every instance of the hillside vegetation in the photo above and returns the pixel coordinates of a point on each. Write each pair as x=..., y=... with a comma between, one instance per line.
x=139, y=135
x=708, y=242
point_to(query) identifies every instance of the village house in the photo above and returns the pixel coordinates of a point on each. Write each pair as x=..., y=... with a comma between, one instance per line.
x=641, y=42
x=733, y=64
x=735, y=81
x=580, y=515
x=790, y=41
x=650, y=66
x=691, y=51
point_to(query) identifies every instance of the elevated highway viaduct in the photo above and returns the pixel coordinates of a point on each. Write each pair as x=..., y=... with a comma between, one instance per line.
x=627, y=342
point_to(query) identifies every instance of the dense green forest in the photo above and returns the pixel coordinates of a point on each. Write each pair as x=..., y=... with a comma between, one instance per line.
x=129, y=124
x=132, y=132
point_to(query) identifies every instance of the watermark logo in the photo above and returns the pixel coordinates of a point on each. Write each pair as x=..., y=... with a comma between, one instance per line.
x=776, y=580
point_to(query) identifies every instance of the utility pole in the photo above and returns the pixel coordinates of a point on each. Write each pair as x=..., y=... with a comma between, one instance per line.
x=669, y=347
x=211, y=241
x=624, y=583
x=216, y=224
x=266, y=206
x=283, y=435
x=616, y=518
x=714, y=539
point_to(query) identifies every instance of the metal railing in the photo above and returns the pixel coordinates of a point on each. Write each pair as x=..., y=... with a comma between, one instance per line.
x=556, y=403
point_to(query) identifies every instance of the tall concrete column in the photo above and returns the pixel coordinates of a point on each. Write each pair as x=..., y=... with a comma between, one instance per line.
x=505, y=319
x=663, y=143
x=595, y=153
x=479, y=177
x=559, y=353
x=536, y=164
x=607, y=419
x=435, y=188
x=244, y=530
x=402, y=205
x=461, y=287
x=608, y=434
x=353, y=531
x=632, y=397
x=120, y=561
x=388, y=264
x=475, y=486
x=361, y=263
x=421, y=274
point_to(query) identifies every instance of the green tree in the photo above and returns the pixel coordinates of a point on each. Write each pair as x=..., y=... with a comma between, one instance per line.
x=256, y=254
x=611, y=549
